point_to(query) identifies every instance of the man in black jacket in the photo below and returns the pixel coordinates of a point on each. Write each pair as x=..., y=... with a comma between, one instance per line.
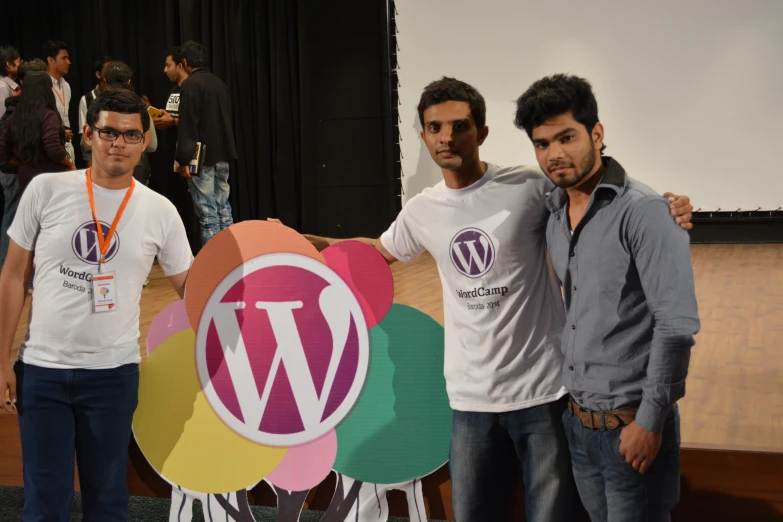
x=205, y=117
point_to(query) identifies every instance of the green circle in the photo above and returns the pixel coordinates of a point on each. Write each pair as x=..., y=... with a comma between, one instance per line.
x=399, y=428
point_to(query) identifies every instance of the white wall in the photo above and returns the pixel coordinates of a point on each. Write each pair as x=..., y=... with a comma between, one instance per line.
x=690, y=92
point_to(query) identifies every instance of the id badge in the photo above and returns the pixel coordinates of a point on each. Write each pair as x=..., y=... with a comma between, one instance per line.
x=104, y=293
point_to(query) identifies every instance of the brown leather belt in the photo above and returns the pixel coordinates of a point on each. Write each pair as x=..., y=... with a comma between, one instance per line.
x=612, y=419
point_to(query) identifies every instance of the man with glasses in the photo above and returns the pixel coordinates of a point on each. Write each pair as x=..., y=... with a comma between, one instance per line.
x=94, y=235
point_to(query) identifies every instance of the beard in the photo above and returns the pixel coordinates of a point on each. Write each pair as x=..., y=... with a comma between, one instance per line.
x=584, y=168
x=116, y=166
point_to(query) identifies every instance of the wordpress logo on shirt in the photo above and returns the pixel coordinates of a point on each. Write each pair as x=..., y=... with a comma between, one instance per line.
x=472, y=252
x=85, y=243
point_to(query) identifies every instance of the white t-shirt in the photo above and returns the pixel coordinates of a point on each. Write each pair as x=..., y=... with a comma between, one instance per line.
x=504, y=313
x=55, y=221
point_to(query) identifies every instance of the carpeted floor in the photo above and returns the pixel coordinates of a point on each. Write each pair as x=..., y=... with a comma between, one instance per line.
x=142, y=509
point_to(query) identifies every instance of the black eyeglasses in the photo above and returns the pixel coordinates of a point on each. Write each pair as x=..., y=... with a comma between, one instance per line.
x=131, y=137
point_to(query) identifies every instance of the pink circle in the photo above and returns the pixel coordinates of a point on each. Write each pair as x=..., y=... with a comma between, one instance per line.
x=305, y=466
x=367, y=273
x=169, y=321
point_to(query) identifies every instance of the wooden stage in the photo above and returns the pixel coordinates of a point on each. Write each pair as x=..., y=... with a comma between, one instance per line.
x=732, y=426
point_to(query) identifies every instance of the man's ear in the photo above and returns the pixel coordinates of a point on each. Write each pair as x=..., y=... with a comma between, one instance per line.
x=87, y=131
x=482, y=134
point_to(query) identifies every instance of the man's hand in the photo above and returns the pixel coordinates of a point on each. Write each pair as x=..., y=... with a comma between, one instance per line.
x=681, y=209
x=163, y=122
x=184, y=171
x=8, y=382
x=68, y=134
x=320, y=243
x=639, y=447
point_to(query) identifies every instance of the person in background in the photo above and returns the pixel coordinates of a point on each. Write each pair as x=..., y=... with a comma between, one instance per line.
x=33, y=140
x=205, y=117
x=9, y=67
x=59, y=63
x=84, y=104
x=9, y=182
x=176, y=73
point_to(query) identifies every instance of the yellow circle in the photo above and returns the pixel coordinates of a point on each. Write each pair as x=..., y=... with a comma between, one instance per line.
x=180, y=435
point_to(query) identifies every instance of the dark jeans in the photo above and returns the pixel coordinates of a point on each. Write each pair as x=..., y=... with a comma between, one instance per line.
x=86, y=411
x=484, y=448
x=611, y=490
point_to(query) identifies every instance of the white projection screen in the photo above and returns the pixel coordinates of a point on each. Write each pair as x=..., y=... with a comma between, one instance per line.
x=690, y=92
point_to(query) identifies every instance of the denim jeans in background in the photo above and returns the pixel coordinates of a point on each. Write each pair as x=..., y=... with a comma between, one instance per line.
x=484, y=448
x=86, y=411
x=611, y=490
x=9, y=183
x=210, y=191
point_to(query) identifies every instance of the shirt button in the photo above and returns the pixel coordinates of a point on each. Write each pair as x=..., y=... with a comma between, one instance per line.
x=573, y=254
x=571, y=368
x=574, y=289
x=581, y=401
x=573, y=327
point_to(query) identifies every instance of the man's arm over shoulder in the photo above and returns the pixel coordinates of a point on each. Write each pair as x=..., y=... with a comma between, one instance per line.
x=661, y=251
x=399, y=243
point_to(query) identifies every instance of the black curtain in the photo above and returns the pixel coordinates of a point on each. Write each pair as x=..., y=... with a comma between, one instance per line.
x=254, y=49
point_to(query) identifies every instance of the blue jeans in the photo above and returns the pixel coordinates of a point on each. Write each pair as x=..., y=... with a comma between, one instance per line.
x=209, y=191
x=86, y=411
x=484, y=447
x=9, y=183
x=611, y=490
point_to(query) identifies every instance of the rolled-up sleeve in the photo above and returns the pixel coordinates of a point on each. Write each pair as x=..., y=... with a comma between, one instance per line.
x=661, y=251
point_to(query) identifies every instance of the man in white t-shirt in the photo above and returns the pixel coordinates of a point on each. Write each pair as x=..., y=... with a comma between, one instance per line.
x=75, y=383
x=485, y=225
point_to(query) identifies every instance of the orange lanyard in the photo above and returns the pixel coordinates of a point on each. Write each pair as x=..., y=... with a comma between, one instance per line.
x=60, y=96
x=104, y=243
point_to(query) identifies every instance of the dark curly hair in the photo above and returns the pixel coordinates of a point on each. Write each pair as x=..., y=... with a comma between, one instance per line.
x=555, y=95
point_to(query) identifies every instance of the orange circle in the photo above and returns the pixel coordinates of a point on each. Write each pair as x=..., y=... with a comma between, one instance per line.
x=232, y=247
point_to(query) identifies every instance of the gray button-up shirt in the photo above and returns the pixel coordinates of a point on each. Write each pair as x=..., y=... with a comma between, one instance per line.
x=629, y=294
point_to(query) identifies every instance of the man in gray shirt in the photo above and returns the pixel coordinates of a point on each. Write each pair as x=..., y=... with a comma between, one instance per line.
x=631, y=310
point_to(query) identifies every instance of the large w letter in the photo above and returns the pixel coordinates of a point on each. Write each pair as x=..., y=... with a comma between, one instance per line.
x=473, y=254
x=289, y=351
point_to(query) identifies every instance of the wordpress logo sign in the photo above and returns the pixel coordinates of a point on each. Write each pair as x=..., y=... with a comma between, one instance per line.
x=282, y=349
x=472, y=252
x=85, y=243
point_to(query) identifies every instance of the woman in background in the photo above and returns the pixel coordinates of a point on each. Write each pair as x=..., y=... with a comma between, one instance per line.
x=33, y=140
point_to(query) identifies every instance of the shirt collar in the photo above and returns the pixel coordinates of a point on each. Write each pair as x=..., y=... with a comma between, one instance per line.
x=12, y=84
x=613, y=179
x=59, y=83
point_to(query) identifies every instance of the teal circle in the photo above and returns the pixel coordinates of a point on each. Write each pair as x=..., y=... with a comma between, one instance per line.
x=400, y=427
